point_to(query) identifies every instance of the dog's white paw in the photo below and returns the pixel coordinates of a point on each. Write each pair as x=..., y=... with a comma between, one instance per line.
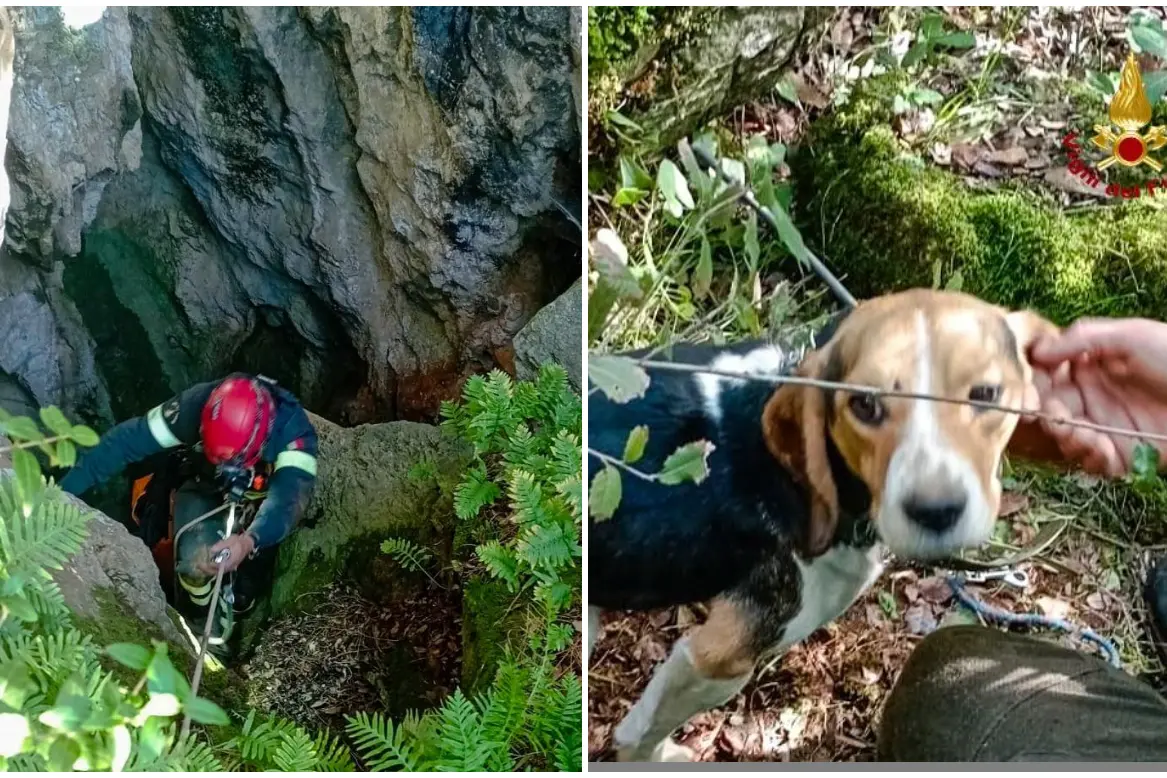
x=670, y=750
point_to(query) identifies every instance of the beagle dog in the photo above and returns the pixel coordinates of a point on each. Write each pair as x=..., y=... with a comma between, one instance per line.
x=807, y=487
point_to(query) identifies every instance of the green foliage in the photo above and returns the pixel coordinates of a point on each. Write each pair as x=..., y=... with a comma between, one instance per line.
x=275, y=744
x=614, y=34
x=694, y=256
x=59, y=708
x=529, y=719
x=522, y=495
x=408, y=554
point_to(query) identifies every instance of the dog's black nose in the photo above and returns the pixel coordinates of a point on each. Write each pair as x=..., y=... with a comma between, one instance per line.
x=932, y=513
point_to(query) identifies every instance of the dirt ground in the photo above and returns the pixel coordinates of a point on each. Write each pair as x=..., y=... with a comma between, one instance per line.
x=822, y=700
x=350, y=655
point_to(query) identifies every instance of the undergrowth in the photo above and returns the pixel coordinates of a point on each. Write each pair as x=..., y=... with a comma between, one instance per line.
x=62, y=710
x=522, y=495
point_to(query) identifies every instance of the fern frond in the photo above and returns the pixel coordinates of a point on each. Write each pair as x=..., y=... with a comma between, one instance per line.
x=566, y=457
x=474, y=493
x=332, y=756
x=192, y=755
x=57, y=656
x=27, y=763
x=408, y=554
x=500, y=561
x=380, y=745
x=463, y=747
x=296, y=752
x=42, y=541
x=504, y=706
x=49, y=602
x=546, y=546
x=526, y=496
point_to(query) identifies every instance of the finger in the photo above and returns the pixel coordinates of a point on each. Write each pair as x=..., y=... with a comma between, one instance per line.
x=1105, y=404
x=1082, y=337
x=1083, y=447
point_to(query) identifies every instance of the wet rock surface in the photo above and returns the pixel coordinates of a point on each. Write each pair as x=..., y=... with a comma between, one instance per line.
x=365, y=203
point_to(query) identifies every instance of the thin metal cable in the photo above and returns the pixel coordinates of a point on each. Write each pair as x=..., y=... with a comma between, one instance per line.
x=678, y=367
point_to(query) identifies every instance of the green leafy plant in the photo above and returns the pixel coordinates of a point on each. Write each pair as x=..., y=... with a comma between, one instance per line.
x=60, y=709
x=1147, y=35
x=932, y=35
x=408, y=554
x=522, y=495
x=692, y=231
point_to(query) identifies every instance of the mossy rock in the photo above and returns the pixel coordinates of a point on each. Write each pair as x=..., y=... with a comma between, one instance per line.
x=489, y=626
x=375, y=481
x=672, y=69
x=886, y=222
x=111, y=587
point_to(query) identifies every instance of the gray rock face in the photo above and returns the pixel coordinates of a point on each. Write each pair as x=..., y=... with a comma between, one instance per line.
x=553, y=335
x=376, y=481
x=365, y=203
x=113, y=581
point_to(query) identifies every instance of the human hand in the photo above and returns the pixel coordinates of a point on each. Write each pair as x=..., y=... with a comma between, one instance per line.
x=240, y=547
x=1111, y=372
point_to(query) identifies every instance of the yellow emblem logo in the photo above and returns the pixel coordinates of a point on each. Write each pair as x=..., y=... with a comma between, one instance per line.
x=1130, y=111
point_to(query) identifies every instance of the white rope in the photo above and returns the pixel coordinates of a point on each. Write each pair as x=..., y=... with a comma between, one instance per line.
x=198, y=673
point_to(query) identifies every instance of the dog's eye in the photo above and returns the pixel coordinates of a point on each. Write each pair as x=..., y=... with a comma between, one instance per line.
x=867, y=408
x=985, y=393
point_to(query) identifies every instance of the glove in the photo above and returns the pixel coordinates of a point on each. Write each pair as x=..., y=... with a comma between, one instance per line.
x=240, y=547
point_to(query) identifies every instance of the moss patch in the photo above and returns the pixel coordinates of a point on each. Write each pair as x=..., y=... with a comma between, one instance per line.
x=888, y=222
x=115, y=624
x=490, y=620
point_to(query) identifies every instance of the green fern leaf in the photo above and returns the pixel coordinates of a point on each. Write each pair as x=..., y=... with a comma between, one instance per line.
x=332, y=756
x=408, y=554
x=547, y=547
x=501, y=562
x=463, y=747
x=526, y=496
x=380, y=745
x=44, y=540
x=296, y=752
x=474, y=493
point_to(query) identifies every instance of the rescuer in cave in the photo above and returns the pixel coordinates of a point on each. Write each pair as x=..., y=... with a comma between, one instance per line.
x=242, y=439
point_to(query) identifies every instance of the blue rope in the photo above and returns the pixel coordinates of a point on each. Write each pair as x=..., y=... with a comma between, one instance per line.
x=989, y=613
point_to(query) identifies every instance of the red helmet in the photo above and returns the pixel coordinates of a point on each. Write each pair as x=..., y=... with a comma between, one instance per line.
x=236, y=421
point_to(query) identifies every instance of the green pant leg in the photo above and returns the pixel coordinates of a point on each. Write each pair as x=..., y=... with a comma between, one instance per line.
x=975, y=694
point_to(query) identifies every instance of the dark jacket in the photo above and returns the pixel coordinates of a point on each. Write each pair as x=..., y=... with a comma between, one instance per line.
x=290, y=450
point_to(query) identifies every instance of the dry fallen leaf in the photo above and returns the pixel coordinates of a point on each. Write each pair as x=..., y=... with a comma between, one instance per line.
x=685, y=616
x=935, y=590
x=1011, y=503
x=1053, y=607
x=965, y=155
x=1095, y=601
x=1010, y=157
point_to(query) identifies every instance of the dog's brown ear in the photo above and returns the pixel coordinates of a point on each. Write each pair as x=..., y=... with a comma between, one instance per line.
x=1027, y=328
x=1029, y=440
x=794, y=425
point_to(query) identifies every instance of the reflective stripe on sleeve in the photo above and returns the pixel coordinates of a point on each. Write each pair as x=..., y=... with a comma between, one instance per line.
x=161, y=430
x=297, y=459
